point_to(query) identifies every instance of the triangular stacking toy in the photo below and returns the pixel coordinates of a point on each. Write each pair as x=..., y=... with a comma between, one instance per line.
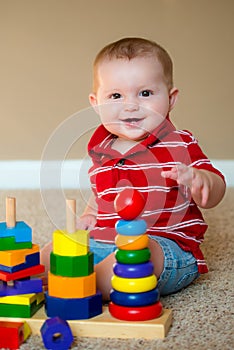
x=72, y=293
x=21, y=295
x=135, y=296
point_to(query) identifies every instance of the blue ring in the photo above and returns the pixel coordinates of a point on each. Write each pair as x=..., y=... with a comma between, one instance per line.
x=131, y=227
x=135, y=299
x=133, y=270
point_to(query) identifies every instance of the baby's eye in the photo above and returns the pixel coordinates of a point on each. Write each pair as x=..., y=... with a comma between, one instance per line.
x=146, y=93
x=115, y=96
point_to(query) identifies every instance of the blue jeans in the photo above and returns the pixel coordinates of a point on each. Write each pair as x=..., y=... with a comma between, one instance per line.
x=180, y=267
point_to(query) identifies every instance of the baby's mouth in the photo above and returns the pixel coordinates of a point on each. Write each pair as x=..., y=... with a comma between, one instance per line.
x=132, y=121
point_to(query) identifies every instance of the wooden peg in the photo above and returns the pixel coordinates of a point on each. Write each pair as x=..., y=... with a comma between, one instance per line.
x=71, y=215
x=10, y=212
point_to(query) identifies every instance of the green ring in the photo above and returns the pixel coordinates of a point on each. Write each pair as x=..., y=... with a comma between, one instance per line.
x=132, y=256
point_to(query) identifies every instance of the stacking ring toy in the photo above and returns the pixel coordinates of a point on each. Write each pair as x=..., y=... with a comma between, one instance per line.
x=131, y=228
x=135, y=299
x=134, y=285
x=132, y=242
x=132, y=256
x=142, y=313
x=56, y=334
x=133, y=270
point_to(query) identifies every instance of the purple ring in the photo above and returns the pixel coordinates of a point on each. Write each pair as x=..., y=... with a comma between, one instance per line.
x=133, y=270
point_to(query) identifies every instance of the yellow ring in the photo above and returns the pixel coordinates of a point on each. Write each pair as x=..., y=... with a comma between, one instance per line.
x=131, y=242
x=134, y=285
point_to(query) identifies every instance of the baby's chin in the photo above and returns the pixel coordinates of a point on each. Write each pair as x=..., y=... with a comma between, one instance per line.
x=129, y=133
x=137, y=137
x=137, y=134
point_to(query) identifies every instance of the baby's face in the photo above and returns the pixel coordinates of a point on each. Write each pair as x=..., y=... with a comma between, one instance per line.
x=132, y=98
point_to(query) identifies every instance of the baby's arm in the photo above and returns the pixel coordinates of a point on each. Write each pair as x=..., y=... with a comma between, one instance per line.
x=207, y=188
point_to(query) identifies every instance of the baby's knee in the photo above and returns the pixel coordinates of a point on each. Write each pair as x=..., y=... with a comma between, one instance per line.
x=157, y=256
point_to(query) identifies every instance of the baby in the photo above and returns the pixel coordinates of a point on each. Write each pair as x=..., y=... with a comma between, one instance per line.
x=137, y=147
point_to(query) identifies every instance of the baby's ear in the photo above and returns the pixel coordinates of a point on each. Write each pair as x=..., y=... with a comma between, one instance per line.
x=93, y=102
x=173, y=95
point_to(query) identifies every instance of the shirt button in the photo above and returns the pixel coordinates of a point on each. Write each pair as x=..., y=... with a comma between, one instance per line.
x=121, y=162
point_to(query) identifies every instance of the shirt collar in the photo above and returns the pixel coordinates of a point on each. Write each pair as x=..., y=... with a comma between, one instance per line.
x=101, y=140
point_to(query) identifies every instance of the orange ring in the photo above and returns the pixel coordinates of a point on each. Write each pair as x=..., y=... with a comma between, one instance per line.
x=131, y=242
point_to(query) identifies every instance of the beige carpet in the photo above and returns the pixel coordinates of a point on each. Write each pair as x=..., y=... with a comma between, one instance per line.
x=203, y=314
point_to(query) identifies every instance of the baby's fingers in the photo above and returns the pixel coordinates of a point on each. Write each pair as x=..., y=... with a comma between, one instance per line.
x=185, y=175
x=200, y=189
x=205, y=195
x=170, y=174
x=180, y=173
x=81, y=225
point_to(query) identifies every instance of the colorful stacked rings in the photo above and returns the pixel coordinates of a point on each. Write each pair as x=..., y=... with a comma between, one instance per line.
x=135, y=296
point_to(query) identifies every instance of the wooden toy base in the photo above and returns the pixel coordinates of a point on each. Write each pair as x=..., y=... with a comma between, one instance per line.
x=106, y=326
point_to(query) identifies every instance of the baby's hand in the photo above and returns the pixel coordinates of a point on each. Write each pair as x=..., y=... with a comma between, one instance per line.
x=86, y=222
x=197, y=180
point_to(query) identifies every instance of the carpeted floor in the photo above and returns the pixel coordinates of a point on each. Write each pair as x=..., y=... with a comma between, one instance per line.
x=203, y=314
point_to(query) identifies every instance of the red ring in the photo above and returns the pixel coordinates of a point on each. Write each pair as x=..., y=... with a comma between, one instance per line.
x=141, y=313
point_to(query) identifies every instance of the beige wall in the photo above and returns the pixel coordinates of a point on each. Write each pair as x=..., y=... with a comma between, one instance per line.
x=47, y=48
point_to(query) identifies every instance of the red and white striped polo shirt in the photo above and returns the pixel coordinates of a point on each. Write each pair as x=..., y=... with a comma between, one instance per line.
x=169, y=211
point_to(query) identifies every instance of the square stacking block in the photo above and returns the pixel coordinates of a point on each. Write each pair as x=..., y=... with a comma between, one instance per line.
x=30, y=271
x=71, y=266
x=24, y=286
x=11, y=334
x=26, y=311
x=71, y=287
x=30, y=261
x=22, y=232
x=24, y=299
x=74, y=309
x=71, y=244
x=27, y=305
x=16, y=257
x=8, y=243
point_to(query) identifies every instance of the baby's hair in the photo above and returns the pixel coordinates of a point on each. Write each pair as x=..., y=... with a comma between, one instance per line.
x=129, y=48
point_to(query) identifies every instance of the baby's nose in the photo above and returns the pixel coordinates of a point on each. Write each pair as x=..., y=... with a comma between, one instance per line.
x=131, y=105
